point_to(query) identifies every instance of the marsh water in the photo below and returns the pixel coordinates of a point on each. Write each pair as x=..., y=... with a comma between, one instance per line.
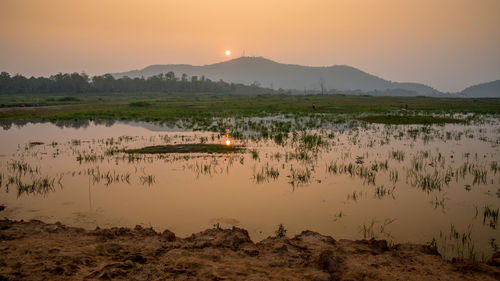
x=437, y=185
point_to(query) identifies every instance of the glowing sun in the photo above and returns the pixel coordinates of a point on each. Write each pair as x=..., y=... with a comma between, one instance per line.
x=228, y=142
x=228, y=52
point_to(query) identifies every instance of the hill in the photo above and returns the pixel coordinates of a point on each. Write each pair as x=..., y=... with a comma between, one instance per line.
x=483, y=90
x=271, y=74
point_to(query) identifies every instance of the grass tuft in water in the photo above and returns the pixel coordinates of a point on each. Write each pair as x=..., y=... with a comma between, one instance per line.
x=490, y=215
x=34, y=143
x=281, y=231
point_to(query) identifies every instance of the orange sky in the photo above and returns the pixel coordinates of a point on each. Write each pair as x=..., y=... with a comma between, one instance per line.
x=447, y=44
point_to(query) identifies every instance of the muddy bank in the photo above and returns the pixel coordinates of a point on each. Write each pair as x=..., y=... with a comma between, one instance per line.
x=38, y=251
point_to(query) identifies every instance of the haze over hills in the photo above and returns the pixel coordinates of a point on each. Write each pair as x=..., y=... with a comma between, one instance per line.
x=271, y=74
x=488, y=89
x=275, y=75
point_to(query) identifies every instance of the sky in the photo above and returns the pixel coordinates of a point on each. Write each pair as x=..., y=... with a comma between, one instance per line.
x=446, y=44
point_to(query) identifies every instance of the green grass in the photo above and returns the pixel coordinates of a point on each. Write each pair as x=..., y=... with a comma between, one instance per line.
x=140, y=104
x=161, y=107
x=34, y=143
x=187, y=148
x=281, y=231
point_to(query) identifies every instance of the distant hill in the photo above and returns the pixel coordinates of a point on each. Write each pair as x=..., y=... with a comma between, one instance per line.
x=275, y=75
x=484, y=90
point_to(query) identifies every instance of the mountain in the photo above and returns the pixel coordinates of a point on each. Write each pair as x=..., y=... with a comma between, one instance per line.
x=484, y=90
x=275, y=75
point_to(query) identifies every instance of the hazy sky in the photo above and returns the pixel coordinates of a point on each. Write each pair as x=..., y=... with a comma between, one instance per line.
x=447, y=44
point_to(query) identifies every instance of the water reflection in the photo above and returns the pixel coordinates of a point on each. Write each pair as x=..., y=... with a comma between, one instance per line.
x=425, y=184
x=82, y=124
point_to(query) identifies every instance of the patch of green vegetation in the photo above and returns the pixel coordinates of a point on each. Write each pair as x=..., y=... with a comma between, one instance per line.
x=33, y=143
x=139, y=104
x=187, y=148
x=202, y=107
x=281, y=231
x=409, y=119
x=490, y=214
x=68, y=99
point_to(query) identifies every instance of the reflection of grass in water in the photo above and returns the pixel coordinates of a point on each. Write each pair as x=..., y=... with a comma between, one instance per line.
x=439, y=202
x=311, y=141
x=203, y=168
x=384, y=165
x=332, y=168
x=494, y=167
x=111, y=151
x=108, y=177
x=41, y=186
x=409, y=119
x=479, y=172
x=367, y=173
x=360, y=160
x=89, y=157
x=10, y=180
x=479, y=176
x=394, y=175
x=255, y=154
x=187, y=148
x=265, y=174
x=338, y=216
x=299, y=176
x=370, y=231
x=417, y=163
x=426, y=167
x=280, y=138
x=354, y=196
x=22, y=167
x=381, y=192
x=367, y=230
x=427, y=182
x=134, y=158
x=493, y=244
x=456, y=243
x=491, y=215
x=148, y=179
x=398, y=155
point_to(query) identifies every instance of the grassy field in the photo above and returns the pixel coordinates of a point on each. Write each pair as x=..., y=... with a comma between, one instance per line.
x=162, y=107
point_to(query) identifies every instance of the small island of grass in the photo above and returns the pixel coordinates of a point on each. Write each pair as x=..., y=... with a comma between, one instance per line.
x=187, y=148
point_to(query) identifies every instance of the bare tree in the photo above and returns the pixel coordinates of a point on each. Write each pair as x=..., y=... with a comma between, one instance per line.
x=322, y=85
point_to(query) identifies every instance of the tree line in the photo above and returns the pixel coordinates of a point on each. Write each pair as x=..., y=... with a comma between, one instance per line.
x=81, y=83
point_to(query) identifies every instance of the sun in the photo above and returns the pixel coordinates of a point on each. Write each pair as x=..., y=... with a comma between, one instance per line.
x=228, y=52
x=228, y=142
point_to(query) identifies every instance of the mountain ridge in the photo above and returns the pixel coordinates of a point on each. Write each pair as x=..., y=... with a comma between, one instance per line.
x=487, y=89
x=299, y=78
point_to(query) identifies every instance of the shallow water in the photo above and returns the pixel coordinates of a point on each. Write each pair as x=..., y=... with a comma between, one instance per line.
x=400, y=183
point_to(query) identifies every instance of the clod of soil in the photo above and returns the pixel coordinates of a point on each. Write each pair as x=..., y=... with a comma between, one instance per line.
x=38, y=251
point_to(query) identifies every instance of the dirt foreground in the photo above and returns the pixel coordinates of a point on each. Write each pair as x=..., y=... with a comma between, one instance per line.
x=38, y=251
